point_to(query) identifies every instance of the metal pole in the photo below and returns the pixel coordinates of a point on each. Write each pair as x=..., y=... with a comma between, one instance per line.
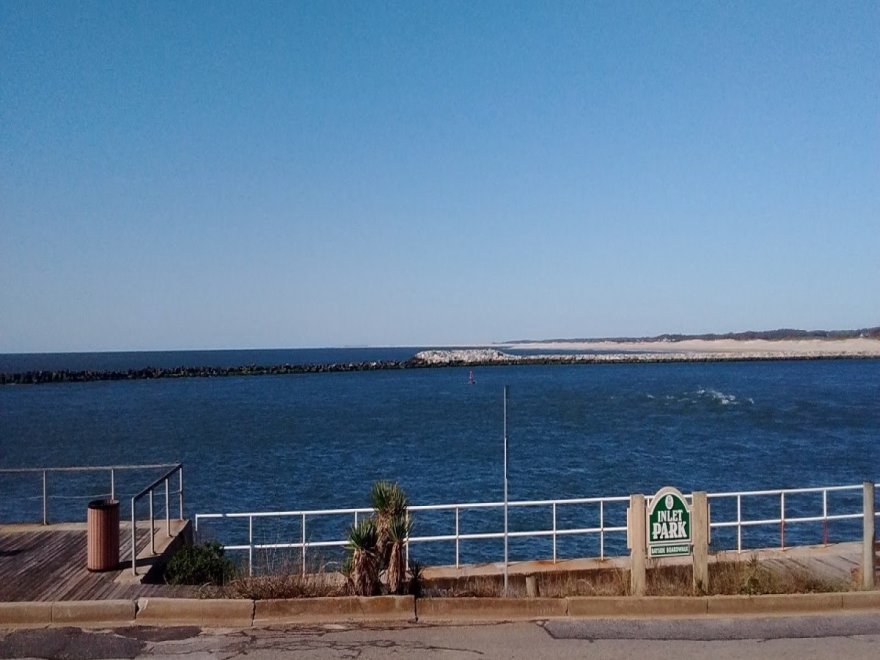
x=250, y=545
x=112, y=484
x=506, y=559
x=45, y=501
x=304, y=545
x=133, y=539
x=152, y=526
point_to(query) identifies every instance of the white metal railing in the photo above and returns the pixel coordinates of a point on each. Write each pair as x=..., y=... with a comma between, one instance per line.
x=783, y=518
x=43, y=474
x=149, y=492
x=112, y=471
x=601, y=529
x=739, y=522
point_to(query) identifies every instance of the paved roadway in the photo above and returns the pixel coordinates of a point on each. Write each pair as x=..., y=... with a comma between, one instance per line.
x=839, y=636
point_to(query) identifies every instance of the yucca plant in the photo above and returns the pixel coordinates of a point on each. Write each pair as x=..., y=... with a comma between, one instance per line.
x=399, y=529
x=389, y=503
x=364, y=572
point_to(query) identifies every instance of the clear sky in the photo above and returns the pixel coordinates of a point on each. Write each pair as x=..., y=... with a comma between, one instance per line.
x=234, y=175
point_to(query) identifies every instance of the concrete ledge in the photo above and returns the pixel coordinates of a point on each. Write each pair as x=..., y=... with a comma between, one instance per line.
x=232, y=613
x=860, y=600
x=491, y=609
x=775, y=603
x=603, y=606
x=14, y=614
x=346, y=608
x=93, y=611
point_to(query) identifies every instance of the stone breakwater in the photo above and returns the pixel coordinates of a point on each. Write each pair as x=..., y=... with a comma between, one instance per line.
x=483, y=357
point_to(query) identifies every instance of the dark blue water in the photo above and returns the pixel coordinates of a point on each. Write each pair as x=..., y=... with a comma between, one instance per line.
x=320, y=440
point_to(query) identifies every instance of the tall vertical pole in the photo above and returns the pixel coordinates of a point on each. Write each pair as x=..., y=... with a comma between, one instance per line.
x=868, y=536
x=506, y=388
x=45, y=501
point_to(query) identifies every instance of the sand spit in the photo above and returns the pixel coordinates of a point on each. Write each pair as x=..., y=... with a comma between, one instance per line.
x=691, y=350
x=757, y=348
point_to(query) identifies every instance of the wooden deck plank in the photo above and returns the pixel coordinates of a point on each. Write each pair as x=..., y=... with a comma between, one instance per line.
x=50, y=564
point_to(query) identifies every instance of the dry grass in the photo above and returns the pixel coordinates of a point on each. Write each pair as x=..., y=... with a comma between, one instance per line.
x=289, y=585
x=729, y=577
x=281, y=576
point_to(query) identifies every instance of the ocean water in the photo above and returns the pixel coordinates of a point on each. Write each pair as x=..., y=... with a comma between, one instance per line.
x=319, y=440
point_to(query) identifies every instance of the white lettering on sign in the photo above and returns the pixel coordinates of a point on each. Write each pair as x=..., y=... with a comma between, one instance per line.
x=671, y=530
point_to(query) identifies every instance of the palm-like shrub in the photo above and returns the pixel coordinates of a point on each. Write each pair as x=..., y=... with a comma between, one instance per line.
x=378, y=543
x=389, y=503
x=364, y=566
x=399, y=530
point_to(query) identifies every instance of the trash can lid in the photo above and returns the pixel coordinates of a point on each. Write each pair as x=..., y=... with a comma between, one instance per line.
x=103, y=504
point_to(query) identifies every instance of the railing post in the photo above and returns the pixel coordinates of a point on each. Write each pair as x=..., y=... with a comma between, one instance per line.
x=554, y=532
x=180, y=494
x=45, y=501
x=250, y=545
x=825, y=517
x=304, y=544
x=152, y=526
x=133, y=539
x=868, y=534
x=112, y=484
x=167, y=510
x=456, y=537
x=406, y=545
x=782, y=520
x=700, y=534
x=739, y=527
x=637, y=540
x=601, y=529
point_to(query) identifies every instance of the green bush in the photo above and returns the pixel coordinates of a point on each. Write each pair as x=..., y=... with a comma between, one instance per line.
x=200, y=564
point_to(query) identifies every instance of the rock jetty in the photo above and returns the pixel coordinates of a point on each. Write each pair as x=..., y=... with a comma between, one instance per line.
x=425, y=359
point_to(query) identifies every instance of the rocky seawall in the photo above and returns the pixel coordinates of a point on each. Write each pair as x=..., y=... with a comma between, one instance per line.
x=422, y=360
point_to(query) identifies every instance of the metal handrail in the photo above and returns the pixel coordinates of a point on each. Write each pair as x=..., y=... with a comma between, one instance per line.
x=149, y=491
x=112, y=469
x=739, y=522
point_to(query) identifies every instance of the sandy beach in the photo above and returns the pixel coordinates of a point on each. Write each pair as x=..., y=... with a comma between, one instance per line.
x=756, y=348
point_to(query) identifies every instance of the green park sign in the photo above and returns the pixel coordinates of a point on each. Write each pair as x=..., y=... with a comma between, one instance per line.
x=669, y=524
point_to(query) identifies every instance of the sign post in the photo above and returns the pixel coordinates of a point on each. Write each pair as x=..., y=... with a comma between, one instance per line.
x=669, y=525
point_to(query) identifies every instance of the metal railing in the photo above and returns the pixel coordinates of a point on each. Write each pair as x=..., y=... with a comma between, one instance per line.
x=784, y=518
x=111, y=470
x=149, y=492
x=600, y=529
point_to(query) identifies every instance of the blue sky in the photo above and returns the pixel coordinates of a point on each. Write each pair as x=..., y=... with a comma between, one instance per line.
x=233, y=175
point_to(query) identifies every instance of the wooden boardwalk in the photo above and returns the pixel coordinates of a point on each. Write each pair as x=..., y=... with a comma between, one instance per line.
x=48, y=563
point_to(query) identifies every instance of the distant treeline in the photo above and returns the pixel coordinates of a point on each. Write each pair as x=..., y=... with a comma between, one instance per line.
x=770, y=335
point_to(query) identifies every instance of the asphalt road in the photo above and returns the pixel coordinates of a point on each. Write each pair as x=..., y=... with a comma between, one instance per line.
x=839, y=636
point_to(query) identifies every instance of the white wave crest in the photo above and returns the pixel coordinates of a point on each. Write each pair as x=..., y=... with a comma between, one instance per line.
x=721, y=397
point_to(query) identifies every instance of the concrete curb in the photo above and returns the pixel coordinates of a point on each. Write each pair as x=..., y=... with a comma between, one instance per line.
x=17, y=614
x=625, y=606
x=243, y=613
x=93, y=611
x=771, y=604
x=355, y=608
x=222, y=613
x=491, y=609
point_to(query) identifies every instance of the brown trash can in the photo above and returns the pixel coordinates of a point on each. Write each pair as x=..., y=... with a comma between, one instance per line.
x=103, y=535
